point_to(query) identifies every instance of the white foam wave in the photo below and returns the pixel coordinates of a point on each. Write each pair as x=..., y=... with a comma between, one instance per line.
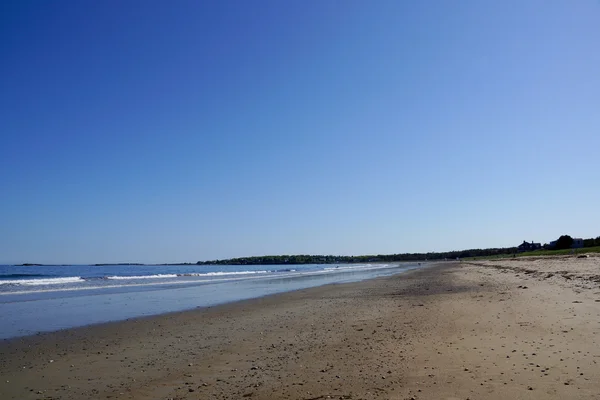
x=127, y=285
x=215, y=277
x=40, y=282
x=190, y=274
x=221, y=273
x=357, y=267
x=143, y=277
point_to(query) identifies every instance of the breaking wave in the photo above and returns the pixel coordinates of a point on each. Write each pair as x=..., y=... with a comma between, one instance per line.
x=39, y=282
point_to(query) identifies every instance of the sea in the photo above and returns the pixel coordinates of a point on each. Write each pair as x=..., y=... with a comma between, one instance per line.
x=35, y=299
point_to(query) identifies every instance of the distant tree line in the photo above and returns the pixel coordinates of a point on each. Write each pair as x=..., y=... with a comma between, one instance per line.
x=330, y=259
x=566, y=242
x=591, y=242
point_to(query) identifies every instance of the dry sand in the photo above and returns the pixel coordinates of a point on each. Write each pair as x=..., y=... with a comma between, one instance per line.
x=488, y=330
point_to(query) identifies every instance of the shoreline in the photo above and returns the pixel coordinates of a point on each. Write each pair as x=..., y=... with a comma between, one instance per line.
x=451, y=330
x=127, y=298
x=233, y=303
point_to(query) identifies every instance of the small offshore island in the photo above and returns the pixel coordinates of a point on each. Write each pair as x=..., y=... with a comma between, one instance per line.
x=562, y=246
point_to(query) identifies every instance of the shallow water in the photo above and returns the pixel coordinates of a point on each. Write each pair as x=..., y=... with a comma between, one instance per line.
x=38, y=299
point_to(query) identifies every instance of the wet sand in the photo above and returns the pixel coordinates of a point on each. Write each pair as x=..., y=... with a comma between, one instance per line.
x=483, y=330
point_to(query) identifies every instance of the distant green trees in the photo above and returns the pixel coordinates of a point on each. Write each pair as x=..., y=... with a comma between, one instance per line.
x=591, y=242
x=563, y=242
x=330, y=259
x=566, y=242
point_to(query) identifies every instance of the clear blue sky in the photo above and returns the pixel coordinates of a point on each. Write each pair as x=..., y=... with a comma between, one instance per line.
x=156, y=131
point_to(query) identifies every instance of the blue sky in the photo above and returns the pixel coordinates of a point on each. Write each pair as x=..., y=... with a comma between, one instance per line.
x=181, y=131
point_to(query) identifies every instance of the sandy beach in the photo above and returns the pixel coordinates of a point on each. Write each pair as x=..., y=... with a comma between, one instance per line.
x=509, y=329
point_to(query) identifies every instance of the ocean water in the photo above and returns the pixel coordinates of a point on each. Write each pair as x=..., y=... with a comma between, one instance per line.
x=36, y=299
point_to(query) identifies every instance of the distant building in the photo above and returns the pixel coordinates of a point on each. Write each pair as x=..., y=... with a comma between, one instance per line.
x=577, y=243
x=526, y=246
